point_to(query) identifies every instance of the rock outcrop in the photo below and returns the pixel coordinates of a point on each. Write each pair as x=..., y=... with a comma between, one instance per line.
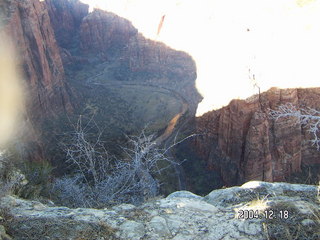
x=240, y=141
x=105, y=33
x=256, y=210
x=66, y=17
x=28, y=24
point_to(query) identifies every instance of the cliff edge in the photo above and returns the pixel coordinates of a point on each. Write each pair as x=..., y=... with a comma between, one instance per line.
x=256, y=210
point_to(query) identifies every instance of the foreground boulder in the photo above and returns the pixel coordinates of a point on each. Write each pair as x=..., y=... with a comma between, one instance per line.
x=256, y=210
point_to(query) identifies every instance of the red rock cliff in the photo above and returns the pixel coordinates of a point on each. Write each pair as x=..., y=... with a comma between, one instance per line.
x=66, y=17
x=242, y=143
x=105, y=33
x=27, y=22
x=115, y=39
x=28, y=25
x=158, y=64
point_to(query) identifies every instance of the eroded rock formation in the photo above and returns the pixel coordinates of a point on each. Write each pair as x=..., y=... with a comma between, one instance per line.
x=241, y=142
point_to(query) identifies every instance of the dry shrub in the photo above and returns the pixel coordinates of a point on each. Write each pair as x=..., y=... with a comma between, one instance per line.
x=55, y=228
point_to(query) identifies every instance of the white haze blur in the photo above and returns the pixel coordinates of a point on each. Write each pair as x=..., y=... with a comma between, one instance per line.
x=11, y=93
x=278, y=40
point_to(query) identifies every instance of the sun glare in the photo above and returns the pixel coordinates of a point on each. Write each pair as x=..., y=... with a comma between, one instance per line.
x=276, y=40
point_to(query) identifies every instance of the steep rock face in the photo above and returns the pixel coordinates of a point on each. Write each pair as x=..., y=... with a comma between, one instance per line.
x=105, y=33
x=156, y=63
x=234, y=213
x=242, y=143
x=66, y=17
x=28, y=24
x=114, y=39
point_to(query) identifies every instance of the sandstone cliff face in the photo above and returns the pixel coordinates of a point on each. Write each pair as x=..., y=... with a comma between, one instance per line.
x=114, y=39
x=242, y=143
x=66, y=17
x=105, y=33
x=28, y=24
x=156, y=63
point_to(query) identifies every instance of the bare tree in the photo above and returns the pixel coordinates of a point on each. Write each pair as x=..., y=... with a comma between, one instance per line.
x=308, y=117
x=100, y=180
x=90, y=159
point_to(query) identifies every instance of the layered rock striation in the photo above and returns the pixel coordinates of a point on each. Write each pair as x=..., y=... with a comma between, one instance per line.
x=55, y=38
x=240, y=142
x=66, y=17
x=105, y=33
x=28, y=24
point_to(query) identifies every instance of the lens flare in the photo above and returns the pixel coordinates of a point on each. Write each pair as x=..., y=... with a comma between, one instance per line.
x=11, y=93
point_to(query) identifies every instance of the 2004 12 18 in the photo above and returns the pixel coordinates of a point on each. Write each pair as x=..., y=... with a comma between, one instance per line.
x=266, y=214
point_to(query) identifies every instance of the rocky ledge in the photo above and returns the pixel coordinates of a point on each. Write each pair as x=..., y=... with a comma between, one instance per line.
x=256, y=210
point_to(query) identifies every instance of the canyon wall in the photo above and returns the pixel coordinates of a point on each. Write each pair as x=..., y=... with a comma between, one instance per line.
x=66, y=17
x=28, y=24
x=240, y=142
x=156, y=63
x=103, y=37
x=57, y=39
x=105, y=33
x=109, y=37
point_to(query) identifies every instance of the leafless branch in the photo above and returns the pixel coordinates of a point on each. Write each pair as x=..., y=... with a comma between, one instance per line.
x=308, y=117
x=100, y=180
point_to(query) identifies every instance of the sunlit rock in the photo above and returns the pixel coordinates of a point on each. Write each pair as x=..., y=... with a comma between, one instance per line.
x=229, y=213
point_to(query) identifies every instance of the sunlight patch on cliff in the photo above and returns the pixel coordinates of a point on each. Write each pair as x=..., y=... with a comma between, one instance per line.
x=277, y=40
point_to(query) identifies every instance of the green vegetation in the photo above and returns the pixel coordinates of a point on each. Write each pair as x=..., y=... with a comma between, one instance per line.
x=121, y=106
x=38, y=176
x=30, y=180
